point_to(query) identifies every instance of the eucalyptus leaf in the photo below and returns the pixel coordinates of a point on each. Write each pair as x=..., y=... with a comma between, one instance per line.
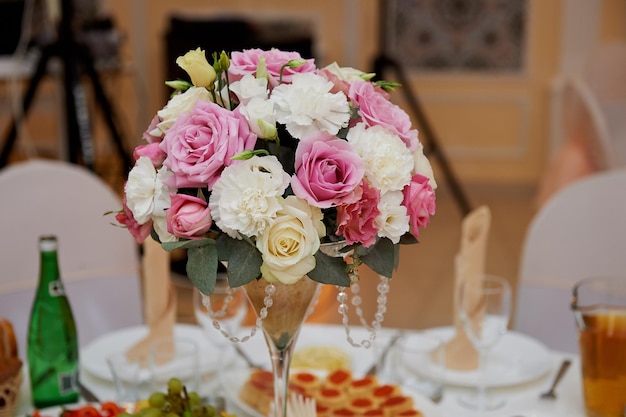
x=329, y=270
x=202, y=267
x=169, y=246
x=381, y=257
x=244, y=263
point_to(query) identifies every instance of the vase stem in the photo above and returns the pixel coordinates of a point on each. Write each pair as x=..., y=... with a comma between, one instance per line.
x=281, y=360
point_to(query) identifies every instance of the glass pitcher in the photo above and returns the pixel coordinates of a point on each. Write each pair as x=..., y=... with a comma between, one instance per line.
x=599, y=306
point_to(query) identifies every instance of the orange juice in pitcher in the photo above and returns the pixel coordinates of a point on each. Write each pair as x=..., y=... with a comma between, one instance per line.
x=600, y=308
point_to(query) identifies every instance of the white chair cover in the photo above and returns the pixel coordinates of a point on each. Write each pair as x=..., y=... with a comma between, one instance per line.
x=99, y=262
x=580, y=232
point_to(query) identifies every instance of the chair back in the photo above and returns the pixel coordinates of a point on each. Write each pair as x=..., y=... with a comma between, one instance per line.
x=99, y=262
x=580, y=232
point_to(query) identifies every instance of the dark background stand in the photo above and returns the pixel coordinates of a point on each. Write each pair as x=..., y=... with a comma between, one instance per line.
x=427, y=135
x=75, y=59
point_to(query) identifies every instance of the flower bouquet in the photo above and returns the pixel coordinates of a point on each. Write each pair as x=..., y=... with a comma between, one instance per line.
x=262, y=157
x=290, y=174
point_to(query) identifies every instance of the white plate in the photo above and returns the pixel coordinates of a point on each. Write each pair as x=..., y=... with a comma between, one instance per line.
x=317, y=335
x=233, y=380
x=515, y=359
x=93, y=356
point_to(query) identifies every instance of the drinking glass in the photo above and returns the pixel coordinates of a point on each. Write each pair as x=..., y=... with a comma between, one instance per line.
x=229, y=307
x=484, y=305
x=172, y=357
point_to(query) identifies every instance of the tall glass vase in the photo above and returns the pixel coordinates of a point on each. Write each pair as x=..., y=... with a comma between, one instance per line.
x=281, y=326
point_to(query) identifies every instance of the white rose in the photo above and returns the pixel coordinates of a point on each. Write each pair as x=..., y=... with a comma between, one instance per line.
x=261, y=117
x=250, y=87
x=289, y=244
x=147, y=195
x=388, y=162
x=422, y=165
x=393, y=221
x=345, y=73
x=247, y=196
x=179, y=104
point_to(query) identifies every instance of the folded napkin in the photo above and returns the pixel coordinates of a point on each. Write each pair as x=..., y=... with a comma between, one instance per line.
x=159, y=298
x=469, y=264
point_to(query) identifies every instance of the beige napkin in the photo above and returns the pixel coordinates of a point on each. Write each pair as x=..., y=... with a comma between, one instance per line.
x=469, y=262
x=159, y=298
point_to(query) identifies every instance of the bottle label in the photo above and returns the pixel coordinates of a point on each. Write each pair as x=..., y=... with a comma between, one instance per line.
x=56, y=289
x=68, y=382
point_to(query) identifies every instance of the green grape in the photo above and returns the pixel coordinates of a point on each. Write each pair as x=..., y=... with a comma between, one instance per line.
x=194, y=398
x=157, y=400
x=171, y=415
x=149, y=412
x=174, y=386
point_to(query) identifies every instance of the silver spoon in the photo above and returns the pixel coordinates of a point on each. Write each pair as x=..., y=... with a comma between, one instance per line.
x=550, y=395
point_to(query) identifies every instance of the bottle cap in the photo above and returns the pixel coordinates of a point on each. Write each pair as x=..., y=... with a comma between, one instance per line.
x=48, y=243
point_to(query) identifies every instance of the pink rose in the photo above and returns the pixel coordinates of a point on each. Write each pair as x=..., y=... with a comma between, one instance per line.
x=188, y=217
x=375, y=109
x=340, y=86
x=328, y=171
x=138, y=231
x=246, y=62
x=200, y=143
x=355, y=222
x=152, y=133
x=419, y=200
x=152, y=151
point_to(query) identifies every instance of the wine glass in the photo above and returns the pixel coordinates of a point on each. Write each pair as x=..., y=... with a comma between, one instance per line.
x=484, y=305
x=229, y=308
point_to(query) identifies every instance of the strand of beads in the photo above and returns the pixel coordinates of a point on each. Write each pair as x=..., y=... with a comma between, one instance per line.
x=381, y=301
x=270, y=289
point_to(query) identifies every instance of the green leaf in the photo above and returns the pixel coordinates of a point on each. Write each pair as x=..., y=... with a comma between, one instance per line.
x=408, y=239
x=329, y=270
x=244, y=262
x=169, y=246
x=381, y=257
x=202, y=267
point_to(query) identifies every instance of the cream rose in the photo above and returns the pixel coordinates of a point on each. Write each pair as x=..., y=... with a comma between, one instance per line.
x=195, y=64
x=289, y=244
x=179, y=104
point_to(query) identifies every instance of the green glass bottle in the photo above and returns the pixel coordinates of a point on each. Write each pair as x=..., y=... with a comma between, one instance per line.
x=52, y=340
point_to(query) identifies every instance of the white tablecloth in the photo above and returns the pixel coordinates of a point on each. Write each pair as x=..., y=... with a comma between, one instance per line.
x=521, y=400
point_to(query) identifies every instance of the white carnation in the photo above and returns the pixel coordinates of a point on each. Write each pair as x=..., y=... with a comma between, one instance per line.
x=247, y=196
x=307, y=106
x=388, y=162
x=393, y=220
x=260, y=114
x=180, y=104
x=250, y=87
x=422, y=165
x=147, y=195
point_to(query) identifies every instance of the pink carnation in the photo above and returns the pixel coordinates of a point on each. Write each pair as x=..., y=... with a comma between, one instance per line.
x=138, y=231
x=375, y=109
x=355, y=222
x=188, y=217
x=152, y=151
x=328, y=171
x=246, y=62
x=419, y=200
x=200, y=144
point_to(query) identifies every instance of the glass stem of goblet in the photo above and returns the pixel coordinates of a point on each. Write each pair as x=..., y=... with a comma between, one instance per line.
x=281, y=358
x=481, y=397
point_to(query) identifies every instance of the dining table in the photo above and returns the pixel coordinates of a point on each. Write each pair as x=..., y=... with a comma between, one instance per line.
x=521, y=392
